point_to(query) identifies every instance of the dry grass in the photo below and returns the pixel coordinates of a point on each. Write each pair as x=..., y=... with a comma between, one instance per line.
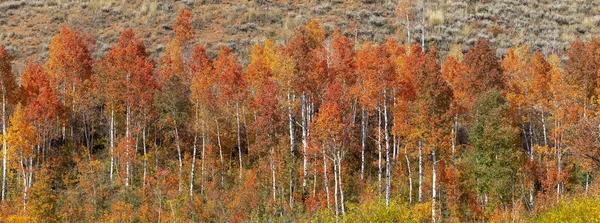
x=149, y=8
x=436, y=17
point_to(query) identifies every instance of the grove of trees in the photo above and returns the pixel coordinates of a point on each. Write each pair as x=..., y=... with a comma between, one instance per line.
x=320, y=127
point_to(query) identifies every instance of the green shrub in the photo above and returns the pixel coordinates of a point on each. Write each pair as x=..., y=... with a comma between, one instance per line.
x=578, y=210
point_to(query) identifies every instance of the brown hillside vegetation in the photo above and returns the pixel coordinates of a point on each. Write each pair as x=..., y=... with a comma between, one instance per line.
x=26, y=26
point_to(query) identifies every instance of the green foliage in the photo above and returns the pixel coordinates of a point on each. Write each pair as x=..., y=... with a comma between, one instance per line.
x=492, y=163
x=376, y=211
x=585, y=209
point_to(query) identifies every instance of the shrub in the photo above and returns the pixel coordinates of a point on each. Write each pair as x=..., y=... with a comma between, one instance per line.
x=321, y=9
x=435, y=17
x=578, y=210
x=377, y=21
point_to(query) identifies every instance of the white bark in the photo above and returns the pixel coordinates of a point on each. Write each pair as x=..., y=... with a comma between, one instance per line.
x=420, y=171
x=195, y=146
x=340, y=183
x=145, y=155
x=454, y=135
x=304, y=142
x=559, y=172
x=292, y=139
x=364, y=124
x=410, y=185
x=433, y=187
x=239, y=140
x=112, y=143
x=179, y=155
x=203, y=149
x=379, y=150
x=408, y=29
x=4, y=143
x=273, y=173
x=387, y=150
x=587, y=181
x=127, y=146
x=220, y=154
x=326, y=178
x=544, y=129
x=335, y=181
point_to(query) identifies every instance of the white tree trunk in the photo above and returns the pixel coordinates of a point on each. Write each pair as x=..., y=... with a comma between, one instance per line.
x=408, y=29
x=559, y=172
x=239, y=140
x=273, y=173
x=145, y=155
x=544, y=129
x=410, y=185
x=127, y=146
x=379, y=173
x=112, y=143
x=433, y=187
x=364, y=125
x=292, y=139
x=304, y=141
x=336, y=186
x=325, y=177
x=203, y=149
x=420, y=171
x=387, y=150
x=179, y=155
x=220, y=154
x=340, y=183
x=194, y=158
x=454, y=135
x=4, y=143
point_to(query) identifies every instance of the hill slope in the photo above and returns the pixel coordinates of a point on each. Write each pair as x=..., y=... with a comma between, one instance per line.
x=27, y=27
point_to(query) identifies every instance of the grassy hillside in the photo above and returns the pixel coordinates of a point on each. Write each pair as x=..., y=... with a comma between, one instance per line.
x=547, y=25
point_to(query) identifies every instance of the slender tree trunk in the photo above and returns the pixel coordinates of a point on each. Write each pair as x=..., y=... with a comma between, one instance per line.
x=559, y=165
x=27, y=177
x=340, y=183
x=4, y=143
x=273, y=174
x=433, y=187
x=387, y=150
x=531, y=156
x=379, y=160
x=408, y=29
x=220, y=154
x=194, y=153
x=335, y=181
x=325, y=177
x=112, y=143
x=587, y=181
x=420, y=171
x=177, y=144
x=454, y=135
x=304, y=142
x=292, y=134
x=127, y=146
x=410, y=185
x=316, y=161
x=145, y=155
x=364, y=125
x=544, y=129
x=239, y=140
x=203, y=149
x=531, y=151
